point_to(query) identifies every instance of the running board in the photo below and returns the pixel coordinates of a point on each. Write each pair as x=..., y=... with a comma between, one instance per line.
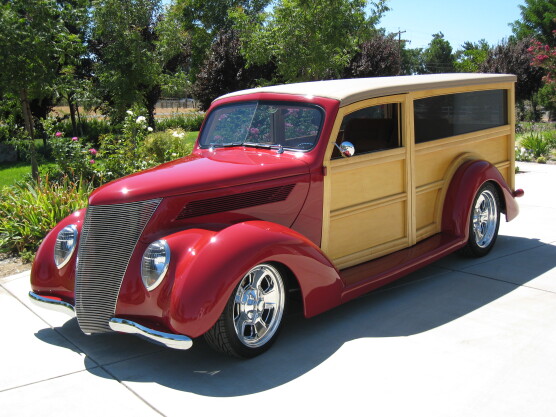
x=361, y=279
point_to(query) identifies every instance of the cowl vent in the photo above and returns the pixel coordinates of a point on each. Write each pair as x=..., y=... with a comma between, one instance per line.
x=235, y=201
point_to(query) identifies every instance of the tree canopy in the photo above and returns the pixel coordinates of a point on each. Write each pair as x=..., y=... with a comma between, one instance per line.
x=537, y=21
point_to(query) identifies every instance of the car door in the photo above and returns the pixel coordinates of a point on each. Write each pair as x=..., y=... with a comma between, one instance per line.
x=368, y=197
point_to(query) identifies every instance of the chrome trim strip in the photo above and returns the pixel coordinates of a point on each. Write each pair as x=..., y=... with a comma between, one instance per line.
x=50, y=304
x=174, y=341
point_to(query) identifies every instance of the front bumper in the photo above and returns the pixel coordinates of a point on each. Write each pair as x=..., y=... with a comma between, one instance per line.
x=174, y=341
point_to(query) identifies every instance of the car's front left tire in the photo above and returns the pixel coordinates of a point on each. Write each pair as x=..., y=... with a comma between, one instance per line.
x=253, y=315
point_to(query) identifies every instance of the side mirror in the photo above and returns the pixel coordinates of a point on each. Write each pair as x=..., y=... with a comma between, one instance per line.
x=346, y=149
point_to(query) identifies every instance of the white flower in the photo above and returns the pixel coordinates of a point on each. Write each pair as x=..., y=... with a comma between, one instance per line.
x=175, y=134
x=141, y=119
x=181, y=135
x=150, y=129
x=129, y=112
x=174, y=154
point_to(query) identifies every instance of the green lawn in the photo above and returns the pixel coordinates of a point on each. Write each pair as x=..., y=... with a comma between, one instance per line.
x=10, y=172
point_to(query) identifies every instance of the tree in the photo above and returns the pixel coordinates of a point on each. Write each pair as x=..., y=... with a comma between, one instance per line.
x=514, y=58
x=377, y=57
x=412, y=60
x=224, y=70
x=132, y=42
x=438, y=57
x=204, y=20
x=537, y=21
x=34, y=48
x=307, y=39
x=471, y=56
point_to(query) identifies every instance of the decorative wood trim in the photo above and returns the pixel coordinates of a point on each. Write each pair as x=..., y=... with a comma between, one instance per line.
x=370, y=253
x=367, y=205
x=445, y=143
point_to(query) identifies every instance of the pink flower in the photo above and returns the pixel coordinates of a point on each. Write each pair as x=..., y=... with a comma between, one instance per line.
x=75, y=138
x=92, y=161
x=58, y=134
x=254, y=131
x=93, y=151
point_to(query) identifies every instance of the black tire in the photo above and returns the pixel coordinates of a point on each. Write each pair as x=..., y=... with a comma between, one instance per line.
x=484, y=222
x=253, y=315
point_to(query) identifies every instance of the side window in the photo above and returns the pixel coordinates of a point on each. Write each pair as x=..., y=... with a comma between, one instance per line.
x=371, y=129
x=455, y=114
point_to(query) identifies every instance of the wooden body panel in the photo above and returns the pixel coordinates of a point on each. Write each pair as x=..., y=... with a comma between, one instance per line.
x=381, y=202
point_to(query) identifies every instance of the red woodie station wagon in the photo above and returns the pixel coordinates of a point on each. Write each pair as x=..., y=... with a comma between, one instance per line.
x=326, y=189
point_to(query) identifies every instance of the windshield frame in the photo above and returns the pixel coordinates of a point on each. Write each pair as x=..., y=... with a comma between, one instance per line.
x=208, y=125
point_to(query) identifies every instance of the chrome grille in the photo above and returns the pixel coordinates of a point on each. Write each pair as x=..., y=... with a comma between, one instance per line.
x=108, y=238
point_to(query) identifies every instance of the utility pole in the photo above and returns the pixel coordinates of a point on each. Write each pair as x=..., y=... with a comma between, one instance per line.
x=399, y=33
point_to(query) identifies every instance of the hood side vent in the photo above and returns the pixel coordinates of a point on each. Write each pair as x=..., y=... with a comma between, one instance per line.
x=235, y=201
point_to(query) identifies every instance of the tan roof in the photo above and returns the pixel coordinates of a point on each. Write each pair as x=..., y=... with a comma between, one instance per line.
x=356, y=89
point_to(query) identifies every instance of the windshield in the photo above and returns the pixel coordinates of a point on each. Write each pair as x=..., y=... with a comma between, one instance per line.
x=263, y=124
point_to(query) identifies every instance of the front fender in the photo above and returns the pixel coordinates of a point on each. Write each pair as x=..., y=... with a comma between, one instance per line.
x=465, y=183
x=46, y=278
x=207, y=271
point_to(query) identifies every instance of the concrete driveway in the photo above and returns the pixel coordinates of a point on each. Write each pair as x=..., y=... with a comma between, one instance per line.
x=459, y=338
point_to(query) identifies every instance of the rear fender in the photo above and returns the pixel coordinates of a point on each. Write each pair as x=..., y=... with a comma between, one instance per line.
x=465, y=183
x=208, y=270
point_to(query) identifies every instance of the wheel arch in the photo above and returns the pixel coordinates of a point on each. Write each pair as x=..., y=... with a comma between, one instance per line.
x=203, y=282
x=464, y=184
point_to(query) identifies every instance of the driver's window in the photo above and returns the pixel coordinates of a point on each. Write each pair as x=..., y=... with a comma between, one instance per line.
x=371, y=129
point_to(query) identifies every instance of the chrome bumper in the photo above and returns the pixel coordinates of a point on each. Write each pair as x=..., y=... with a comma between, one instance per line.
x=174, y=341
x=56, y=305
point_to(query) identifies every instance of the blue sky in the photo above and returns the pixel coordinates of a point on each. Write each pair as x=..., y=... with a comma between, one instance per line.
x=458, y=20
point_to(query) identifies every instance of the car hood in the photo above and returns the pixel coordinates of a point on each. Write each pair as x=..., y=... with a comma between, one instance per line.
x=202, y=171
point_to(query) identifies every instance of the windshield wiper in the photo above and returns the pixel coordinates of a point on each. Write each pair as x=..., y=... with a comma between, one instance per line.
x=225, y=145
x=278, y=148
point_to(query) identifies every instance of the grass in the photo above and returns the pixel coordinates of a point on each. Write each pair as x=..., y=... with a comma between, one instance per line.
x=10, y=172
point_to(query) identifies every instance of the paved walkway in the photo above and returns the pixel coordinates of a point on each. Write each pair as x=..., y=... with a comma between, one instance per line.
x=459, y=338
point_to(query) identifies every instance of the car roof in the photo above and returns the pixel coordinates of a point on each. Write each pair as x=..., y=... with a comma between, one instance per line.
x=356, y=89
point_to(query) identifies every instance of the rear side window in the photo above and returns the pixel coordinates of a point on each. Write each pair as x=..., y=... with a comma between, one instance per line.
x=455, y=114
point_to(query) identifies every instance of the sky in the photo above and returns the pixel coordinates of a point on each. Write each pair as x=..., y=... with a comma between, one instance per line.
x=458, y=20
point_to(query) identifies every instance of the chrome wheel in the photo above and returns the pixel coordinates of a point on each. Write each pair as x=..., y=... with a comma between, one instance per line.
x=258, y=305
x=485, y=218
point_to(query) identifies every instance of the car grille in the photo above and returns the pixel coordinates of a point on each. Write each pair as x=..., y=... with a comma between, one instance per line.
x=108, y=238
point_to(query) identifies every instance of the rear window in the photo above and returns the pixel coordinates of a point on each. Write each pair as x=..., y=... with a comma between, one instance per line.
x=455, y=114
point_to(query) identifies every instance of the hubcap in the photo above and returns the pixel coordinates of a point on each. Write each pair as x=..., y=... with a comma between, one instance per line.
x=258, y=305
x=485, y=219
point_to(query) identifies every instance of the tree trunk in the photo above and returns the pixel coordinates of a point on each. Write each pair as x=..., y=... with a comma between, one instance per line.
x=71, y=104
x=151, y=98
x=29, y=127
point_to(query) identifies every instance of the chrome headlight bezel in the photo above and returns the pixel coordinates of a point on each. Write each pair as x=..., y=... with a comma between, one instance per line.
x=154, y=264
x=64, y=247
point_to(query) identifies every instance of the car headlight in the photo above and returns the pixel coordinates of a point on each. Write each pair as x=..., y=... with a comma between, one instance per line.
x=66, y=242
x=155, y=264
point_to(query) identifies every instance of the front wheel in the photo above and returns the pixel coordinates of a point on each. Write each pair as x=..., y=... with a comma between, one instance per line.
x=252, y=317
x=484, y=222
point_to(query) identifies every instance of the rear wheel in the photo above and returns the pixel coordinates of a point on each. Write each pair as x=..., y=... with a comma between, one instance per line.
x=484, y=222
x=253, y=315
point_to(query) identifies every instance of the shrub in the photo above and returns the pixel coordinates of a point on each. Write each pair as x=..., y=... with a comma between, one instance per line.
x=74, y=158
x=89, y=129
x=120, y=153
x=166, y=146
x=538, y=143
x=28, y=210
x=190, y=122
